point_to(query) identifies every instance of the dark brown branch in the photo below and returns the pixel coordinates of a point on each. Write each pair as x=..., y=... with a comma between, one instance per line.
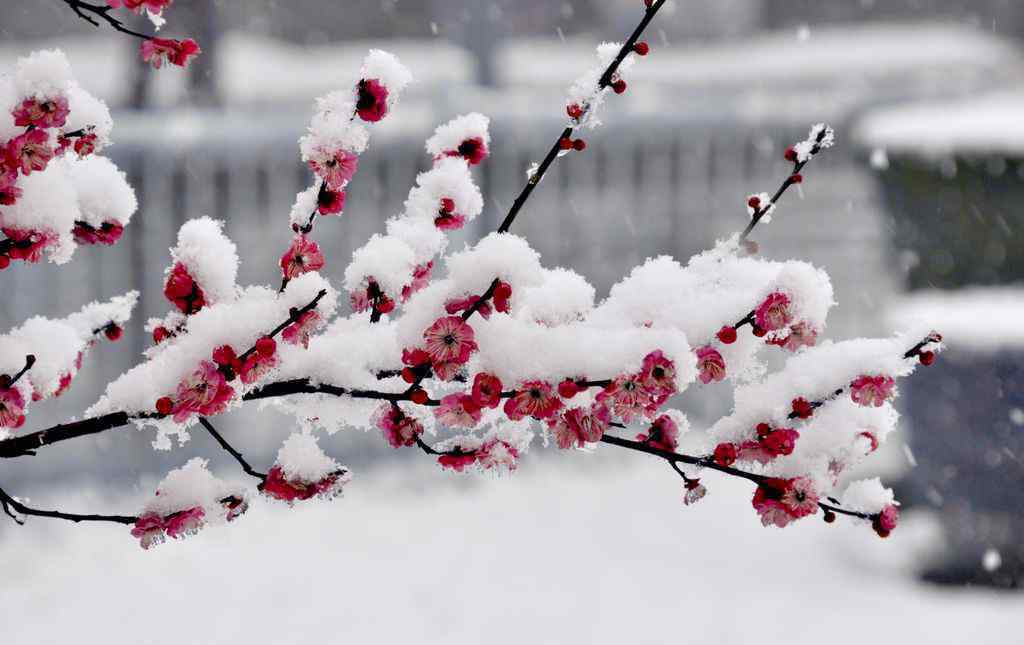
x=7, y=381
x=293, y=317
x=10, y=503
x=763, y=209
x=549, y=158
x=93, y=13
x=230, y=450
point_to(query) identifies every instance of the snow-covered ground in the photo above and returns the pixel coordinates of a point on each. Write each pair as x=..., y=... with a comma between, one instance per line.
x=554, y=554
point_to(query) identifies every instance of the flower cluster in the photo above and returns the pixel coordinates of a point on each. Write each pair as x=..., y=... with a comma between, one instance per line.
x=55, y=191
x=302, y=471
x=780, y=501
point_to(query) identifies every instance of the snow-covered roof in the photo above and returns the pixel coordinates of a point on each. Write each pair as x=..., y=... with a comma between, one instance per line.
x=988, y=124
x=981, y=319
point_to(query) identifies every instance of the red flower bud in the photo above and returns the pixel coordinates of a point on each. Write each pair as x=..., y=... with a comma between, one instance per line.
x=759, y=332
x=790, y=154
x=447, y=205
x=727, y=334
x=160, y=334
x=408, y=375
x=641, y=48
x=4, y=262
x=619, y=86
x=568, y=389
x=574, y=111
x=926, y=358
x=113, y=332
x=565, y=143
x=164, y=405
x=579, y=144
x=763, y=429
x=725, y=454
x=266, y=347
x=754, y=202
x=796, y=178
x=418, y=396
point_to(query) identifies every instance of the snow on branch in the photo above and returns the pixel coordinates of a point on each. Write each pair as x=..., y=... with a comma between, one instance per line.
x=467, y=356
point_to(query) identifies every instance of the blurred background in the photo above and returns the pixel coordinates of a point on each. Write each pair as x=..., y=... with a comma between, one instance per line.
x=916, y=212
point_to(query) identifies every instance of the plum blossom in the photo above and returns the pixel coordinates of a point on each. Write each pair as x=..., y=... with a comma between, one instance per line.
x=663, y=434
x=184, y=523
x=30, y=151
x=85, y=145
x=157, y=51
x=205, y=392
x=136, y=6
x=301, y=257
x=12, y=408
x=695, y=491
x=10, y=192
x=371, y=101
x=627, y=397
x=780, y=501
x=497, y=453
x=149, y=529
x=486, y=390
x=872, y=390
x=502, y=296
x=456, y=305
x=28, y=245
x=447, y=219
x=710, y=364
x=420, y=279
x=774, y=312
x=578, y=426
x=800, y=335
x=449, y=340
x=886, y=520
x=335, y=167
x=458, y=410
x=107, y=234
x=330, y=202
x=183, y=291
x=399, y=429
x=535, y=399
x=41, y=113
x=278, y=486
x=299, y=332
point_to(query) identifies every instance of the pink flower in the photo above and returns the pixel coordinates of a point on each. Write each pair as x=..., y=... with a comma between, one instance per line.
x=577, y=427
x=12, y=408
x=446, y=370
x=871, y=390
x=658, y=377
x=774, y=313
x=30, y=151
x=710, y=364
x=235, y=505
x=456, y=305
x=486, y=390
x=420, y=279
x=301, y=257
x=399, y=430
x=10, y=193
x=780, y=441
x=495, y=453
x=458, y=411
x=330, y=202
x=204, y=392
x=473, y=150
x=449, y=339
x=627, y=397
x=157, y=51
x=447, y=219
x=108, y=233
x=183, y=291
x=502, y=295
x=457, y=459
x=183, y=523
x=535, y=399
x=149, y=529
x=335, y=167
x=28, y=245
x=85, y=145
x=800, y=335
x=800, y=499
x=695, y=491
x=255, y=367
x=371, y=101
x=371, y=296
x=45, y=113
x=663, y=434
x=886, y=521
x=278, y=486
x=298, y=333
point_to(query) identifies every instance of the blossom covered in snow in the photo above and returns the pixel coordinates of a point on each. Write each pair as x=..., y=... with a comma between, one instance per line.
x=303, y=471
x=160, y=51
x=872, y=390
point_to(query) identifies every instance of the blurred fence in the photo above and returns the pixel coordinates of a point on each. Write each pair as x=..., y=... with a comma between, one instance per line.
x=641, y=188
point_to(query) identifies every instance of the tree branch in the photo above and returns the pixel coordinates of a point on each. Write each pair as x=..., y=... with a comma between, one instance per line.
x=101, y=12
x=231, y=451
x=9, y=503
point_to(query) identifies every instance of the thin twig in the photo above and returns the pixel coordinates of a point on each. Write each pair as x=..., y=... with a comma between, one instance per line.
x=83, y=9
x=231, y=451
x=9, y=501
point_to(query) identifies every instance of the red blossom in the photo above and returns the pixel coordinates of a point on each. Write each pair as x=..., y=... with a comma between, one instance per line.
x=578, y=426
x=30, y=151
x=502, y=295
x=449, y=339
x=372, y=100
x=330, y=202
x=398, y=428
x=336, y=167
x=28, y=245
x=710, y=364
x=872, y=390
x=535, y=399
x=885, y=522
x=420, y=279
x=473, y=150
x=774, y=312
x=157, y=51
x=205, y=392
x=278, y=486
x=41, y=113
x=486, y=390
x=299, y=332
x=456, y=305
x=725, y=454
x=108, y=234
x=12, y=408
x=458, y=410
x=802, y=408
x=663, y=434
x=183, y=291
